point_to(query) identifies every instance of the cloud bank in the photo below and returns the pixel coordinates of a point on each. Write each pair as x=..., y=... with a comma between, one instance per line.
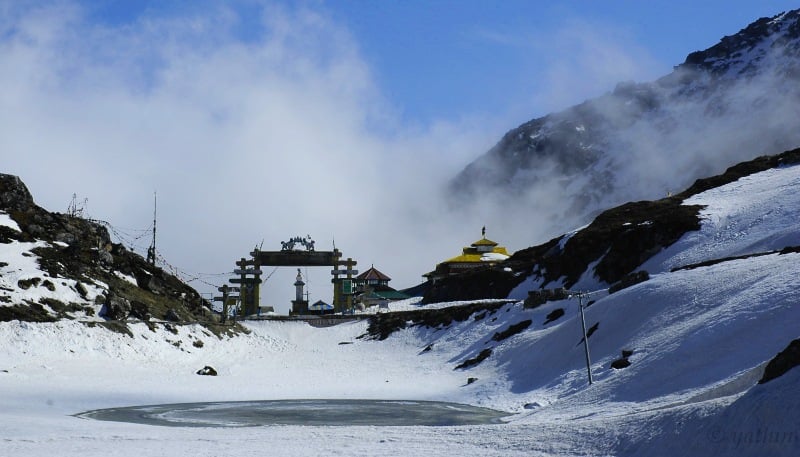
x=245, y=140
x=257, y=124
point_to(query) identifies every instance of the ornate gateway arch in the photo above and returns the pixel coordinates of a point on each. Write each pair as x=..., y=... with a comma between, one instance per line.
x=249, y=271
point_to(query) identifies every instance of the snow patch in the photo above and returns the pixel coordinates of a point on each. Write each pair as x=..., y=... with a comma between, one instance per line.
x=6, y=221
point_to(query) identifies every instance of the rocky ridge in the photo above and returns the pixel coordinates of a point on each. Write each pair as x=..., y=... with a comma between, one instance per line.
x=76, y=271
x=610, y=249
x=729, y=103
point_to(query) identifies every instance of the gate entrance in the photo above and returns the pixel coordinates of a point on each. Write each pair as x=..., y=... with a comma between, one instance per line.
x=249, y=271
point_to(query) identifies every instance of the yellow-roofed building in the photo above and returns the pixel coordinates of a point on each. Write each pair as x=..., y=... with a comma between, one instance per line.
x=480, y=253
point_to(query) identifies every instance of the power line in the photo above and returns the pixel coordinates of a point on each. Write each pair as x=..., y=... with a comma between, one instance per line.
x=131, y=238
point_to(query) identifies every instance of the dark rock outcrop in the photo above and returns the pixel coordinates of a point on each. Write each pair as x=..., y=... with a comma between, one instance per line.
x=783, y=362
x=471, y=362
x=384, y=324
x=207, y=371
x=629, y=280
x=620, y=240
x=116, y=308
x=512, y=330
x=623, y=361
x=554, y=315
x=82, y=250
x=538, y=297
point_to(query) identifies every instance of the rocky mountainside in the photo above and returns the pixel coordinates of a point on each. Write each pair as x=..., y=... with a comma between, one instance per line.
x=729, y=103
x=610, y=249
x=59, y=266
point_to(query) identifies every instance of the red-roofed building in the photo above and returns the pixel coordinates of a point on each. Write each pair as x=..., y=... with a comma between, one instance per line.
x=372, y=288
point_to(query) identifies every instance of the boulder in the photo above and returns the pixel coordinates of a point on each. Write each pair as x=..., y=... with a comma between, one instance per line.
x=207, y=371
x=14, y=195
x=115, y=308
x=623, y=361
x=172, y=316
x=140, y=311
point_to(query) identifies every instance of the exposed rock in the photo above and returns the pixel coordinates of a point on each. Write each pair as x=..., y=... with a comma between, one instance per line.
x=81, y=289
x=539, y=297
x=26, y=284
x=14, y=195
x=31, y=312
x=207, y=371
x=620, y=363
x=629, y=280
x=512, y=330
x=116, y=308
x=483, y=355
x=384, y=324
x=172, y=316
x=140, y=311
x=115, y=326
x=783, y=362
x=197, y=343
x=623, y=361
x=105, y=258
x=82, y=250
x=155, y=285
x=553, y=315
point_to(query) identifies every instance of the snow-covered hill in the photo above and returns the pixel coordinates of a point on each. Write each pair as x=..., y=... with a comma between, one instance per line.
x=727, y=104
x=62, y=266
x=696, y=340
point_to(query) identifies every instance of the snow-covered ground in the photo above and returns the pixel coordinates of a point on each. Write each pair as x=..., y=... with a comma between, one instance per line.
x=699, y=337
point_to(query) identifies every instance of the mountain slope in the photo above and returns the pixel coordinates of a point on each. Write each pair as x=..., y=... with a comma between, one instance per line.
x=618, y=242
x=696, y=342
x=726, y=104
x=60, y=266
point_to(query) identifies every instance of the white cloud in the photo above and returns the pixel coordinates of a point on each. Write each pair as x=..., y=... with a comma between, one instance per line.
x=244, y=140
x=583, y=60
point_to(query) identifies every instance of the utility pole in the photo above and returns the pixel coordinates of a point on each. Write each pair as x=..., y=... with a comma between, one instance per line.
x=580, y=295
x=585, y=338
x=151, y=251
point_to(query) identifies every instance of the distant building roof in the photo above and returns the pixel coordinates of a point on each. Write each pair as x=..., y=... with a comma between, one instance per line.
x=495, y=255
x=481, y=252
x=384, y=295
x=374, y=274
x=320, y=305
x=484, y=242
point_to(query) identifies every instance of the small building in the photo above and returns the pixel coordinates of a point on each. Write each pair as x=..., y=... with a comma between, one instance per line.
x=300, y=303
x=320, y=307
x=372, y=288
x=480, y=253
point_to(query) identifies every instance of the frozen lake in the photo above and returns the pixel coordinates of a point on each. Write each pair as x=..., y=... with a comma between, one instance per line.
x=301, y=412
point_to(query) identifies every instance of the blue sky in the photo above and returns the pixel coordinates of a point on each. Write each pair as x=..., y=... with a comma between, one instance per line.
x=263, y=120
x=445, y=59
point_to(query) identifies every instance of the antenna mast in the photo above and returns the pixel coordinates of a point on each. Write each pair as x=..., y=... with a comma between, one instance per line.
x=151, y=251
